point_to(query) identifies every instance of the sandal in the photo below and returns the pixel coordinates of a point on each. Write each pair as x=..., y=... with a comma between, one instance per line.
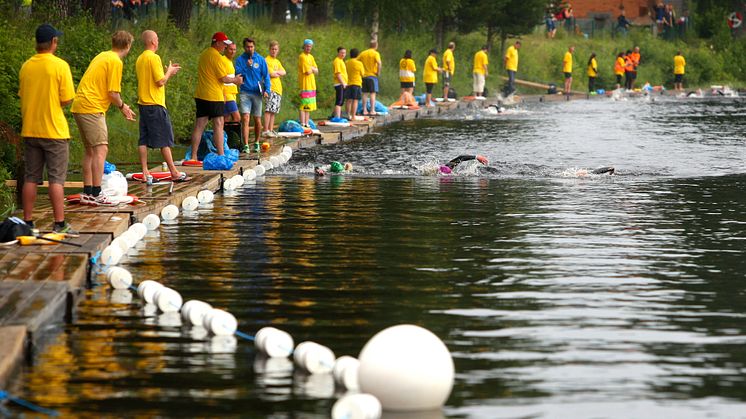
x=182, y=178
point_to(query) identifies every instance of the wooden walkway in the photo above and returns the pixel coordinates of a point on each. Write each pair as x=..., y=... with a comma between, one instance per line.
x=40, y=285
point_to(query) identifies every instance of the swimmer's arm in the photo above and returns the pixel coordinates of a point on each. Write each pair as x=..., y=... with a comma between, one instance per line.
x=602, y=170
x=458, y=160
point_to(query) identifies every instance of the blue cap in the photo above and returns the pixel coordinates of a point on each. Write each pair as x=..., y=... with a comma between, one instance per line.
x=46, y=32
x=308, y=42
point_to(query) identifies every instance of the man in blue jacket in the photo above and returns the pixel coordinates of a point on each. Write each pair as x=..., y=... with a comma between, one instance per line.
x=253, y=68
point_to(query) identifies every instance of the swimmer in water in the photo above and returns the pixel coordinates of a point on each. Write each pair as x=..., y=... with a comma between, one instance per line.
x=448, y=167
x=335, y=167
x=600, y=171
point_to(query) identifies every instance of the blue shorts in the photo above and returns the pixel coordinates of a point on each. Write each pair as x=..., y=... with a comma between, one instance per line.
x=155, y=127
x=230, y=107
x=370, y=84
x=250, y=103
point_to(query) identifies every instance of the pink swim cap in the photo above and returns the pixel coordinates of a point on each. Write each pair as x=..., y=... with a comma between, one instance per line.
x=445, y=170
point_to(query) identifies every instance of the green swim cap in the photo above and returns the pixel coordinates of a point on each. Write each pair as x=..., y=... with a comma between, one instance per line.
x=336, y=167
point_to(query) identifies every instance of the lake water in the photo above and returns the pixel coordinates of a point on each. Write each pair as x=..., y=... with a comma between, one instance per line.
x=557, y=295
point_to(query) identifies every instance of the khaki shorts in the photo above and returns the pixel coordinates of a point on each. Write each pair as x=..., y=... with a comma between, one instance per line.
x=92, y=127
x=38, y=152
x=478, y=83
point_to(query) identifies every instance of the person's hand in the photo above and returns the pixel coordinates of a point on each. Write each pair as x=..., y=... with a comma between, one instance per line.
x=483, y=160
x=173, y=68
x=238, y=80
x=266, y=95
x=128, y=113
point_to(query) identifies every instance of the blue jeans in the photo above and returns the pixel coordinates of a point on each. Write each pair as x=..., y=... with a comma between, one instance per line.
x=510, y=87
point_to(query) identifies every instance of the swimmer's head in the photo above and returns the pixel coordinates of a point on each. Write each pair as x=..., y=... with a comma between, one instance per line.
x=336, y=167
x=318, y=171
x=348, y=167
x=483, y=160
x=445, y=170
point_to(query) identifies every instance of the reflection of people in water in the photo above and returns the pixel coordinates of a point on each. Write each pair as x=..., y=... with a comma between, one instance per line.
x=448, y=167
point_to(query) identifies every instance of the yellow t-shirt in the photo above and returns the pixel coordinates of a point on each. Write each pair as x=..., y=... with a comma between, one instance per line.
x=44, y=82
x=567, y=63
x=430, y=75
x=679, y=63
x=355, y=72
x=339, y=68
x=407, y=70
x=149, y=69
x=512, y=55
x=370, y=59
x=275, y=83
x=449, y=64
x=104, y=75
x=619, y=66
x=593, y=68
x=230, y=90
x=305, y=62
x=480, y=62
x=211, y=67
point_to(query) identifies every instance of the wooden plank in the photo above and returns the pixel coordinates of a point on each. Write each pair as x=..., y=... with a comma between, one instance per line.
x=12, y=347
x=331, y=138
x=86, y=222
x=12, y=183
x=91, y=243
x=46, y=305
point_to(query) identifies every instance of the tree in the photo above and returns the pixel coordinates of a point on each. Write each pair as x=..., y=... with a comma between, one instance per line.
x=180, y=11
x=53, y=10
x=279, y=7
x=317, y=11
x=100, y=10
x=501, y=18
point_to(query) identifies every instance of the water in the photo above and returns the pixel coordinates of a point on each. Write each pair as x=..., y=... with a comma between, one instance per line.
x=558, y=296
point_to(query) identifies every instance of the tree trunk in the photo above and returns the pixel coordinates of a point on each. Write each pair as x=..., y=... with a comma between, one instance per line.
x=440, y=33
x=279, y=9
x=100, y=10
x=374, y=25
x=490, y=38
x=51, y=10
x=316, y=11
x=503, y=39
x=180, y=12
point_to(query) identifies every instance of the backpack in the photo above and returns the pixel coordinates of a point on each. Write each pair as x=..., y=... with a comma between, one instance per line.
x=13, y=227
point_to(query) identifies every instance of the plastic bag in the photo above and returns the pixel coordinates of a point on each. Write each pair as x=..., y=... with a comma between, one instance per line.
x=206, y=146
x=114, y=184
x=380, y=108
x=214, y=162
x=290, y=125
x=109, y=167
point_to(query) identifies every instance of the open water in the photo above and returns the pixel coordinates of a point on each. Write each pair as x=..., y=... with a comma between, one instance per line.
x=557, y=295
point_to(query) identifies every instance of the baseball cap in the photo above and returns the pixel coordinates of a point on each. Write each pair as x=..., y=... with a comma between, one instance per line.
x=45, y=33
x=308, y=42
x=220, y=36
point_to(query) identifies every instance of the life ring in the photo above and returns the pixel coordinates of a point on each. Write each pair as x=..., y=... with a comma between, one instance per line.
x=735, y=20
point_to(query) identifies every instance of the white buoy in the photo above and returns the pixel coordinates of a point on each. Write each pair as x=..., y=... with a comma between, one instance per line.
x=193, y=312
x=284, y=158
x=249, y=174
x=407, y=368
x=119, y=278
x=229, y=185
x=314, y=358
x=275, y=161
x=238, y=180
x=111, y=255
x=267, y=165
x=220, y=322
x=357, y=406
x=275, y=343
x=190, y=203
x=130, y=238
x=122, y=243
x=205, y=196
x=345, y=372
x=170, y=212
x=139, y=229
x=167, y=299
x=146, y=290
x=151, y=221
x=287, y=149
x=259, y=170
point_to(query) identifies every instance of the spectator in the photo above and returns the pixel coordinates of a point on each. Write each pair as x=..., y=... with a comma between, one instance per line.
x=551, y=22
x=619, y=69
x=622, y=23
x=669, y=20
x=230, y=90
x=449, y=66
x=481, y=62
x=339, y=80
x=354, y=92
x=407, y=71
x=256, y=85
x=567, y=69
x=371, y=60
x=679, y=66
x=307, y=71
x=511, y=66
x=296, y=9
x=430, y=76
x=592, y=73
x=276, y=70
x=659, y=13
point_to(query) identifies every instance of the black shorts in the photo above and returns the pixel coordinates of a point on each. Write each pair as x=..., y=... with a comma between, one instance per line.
x=208, y=108
x=568, y=75
x=678, y=78
x=406, y=84
x=353, y=93
x=155, y=127
x=339, y=98
x=370, y=84
x=618, y=79
x=429, y=87
x=633, y=75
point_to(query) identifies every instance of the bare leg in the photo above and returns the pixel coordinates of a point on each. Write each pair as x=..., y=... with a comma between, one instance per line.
x=217, y=138
x=372, y=103
x=365, y=101
x=97, y=164
x=29, y=198
x=257, y=128
x=87, y=166
x=143, y=152
x=169, y=159
x=199, y=127
x=245, y=127
x=57, y=197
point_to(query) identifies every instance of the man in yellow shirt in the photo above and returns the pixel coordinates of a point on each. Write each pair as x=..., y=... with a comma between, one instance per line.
x=307, y=70
x=449, y=67
x=354, y=92
x=679, y=66
x=274, y=99
x=156, y=130
x=511, y=66
x=567, y=69
x=592, y=73
x=45, y=87
x=371, y=60
x=212, y=74
x=100, y=87
x=407, y=71
x=430, y=76
x=230, y=90
x=481, y=61
x=340, y=80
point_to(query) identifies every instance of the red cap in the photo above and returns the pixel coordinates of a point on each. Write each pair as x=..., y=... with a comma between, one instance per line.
x=220, y=36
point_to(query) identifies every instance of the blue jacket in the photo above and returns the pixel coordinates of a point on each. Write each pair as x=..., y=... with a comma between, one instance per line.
x=256, y=77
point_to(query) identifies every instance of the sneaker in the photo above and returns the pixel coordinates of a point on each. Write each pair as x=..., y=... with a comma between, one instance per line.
x=271, y=134
x=257, y=147
x=267, y=134
x=246, y=149
x=102, y=201
x=66, y=229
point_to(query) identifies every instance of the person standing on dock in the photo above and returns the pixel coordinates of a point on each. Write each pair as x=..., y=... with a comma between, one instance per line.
x=212, y=74
x=619, y=69
x=307, y=70
x=45, y=87
x=679, y=66
x=276, y=70
x=252, y=67
x=230, y=90
x=449, y=67
x=98, y=89
x=592, y=73
x=156, y=130
x=371, y=60
x=629, y=68
x=407, y=71
x=430, y=76
x=340, y=81
x=481, y=61
x=567, y=69
x=635, y=57
x=354, y=91
x=511, y=66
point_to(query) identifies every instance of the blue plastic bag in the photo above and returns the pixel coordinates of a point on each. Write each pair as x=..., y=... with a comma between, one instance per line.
x=214, y=162
x=207, y=146
x=311, y=124
x=290, y=125
x=339, y=120
x=109, y=167
x=380, y=108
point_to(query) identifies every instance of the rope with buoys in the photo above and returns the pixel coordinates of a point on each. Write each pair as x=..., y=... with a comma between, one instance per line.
x=27, y=404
